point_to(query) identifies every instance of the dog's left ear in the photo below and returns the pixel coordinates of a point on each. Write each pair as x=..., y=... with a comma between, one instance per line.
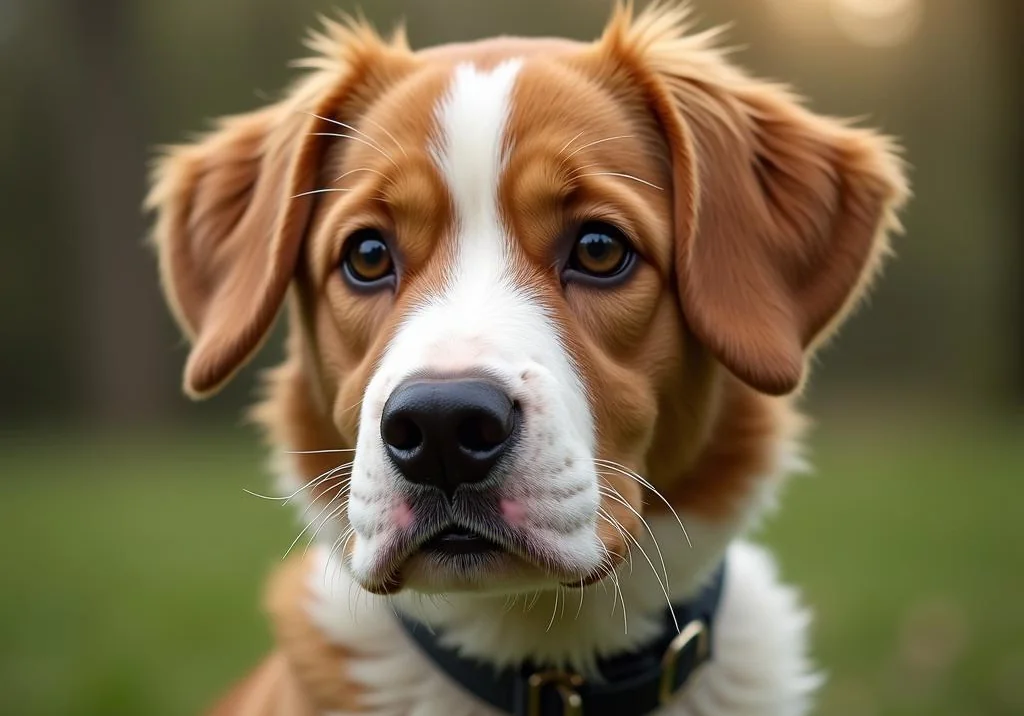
x=781, y=216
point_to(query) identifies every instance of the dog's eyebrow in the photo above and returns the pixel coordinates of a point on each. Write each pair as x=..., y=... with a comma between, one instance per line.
x=353, y=137
x=347, y=126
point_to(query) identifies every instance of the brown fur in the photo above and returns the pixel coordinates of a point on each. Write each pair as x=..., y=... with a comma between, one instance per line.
x=761, y=230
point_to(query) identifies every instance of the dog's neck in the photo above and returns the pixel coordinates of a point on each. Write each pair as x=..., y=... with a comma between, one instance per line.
x=752, y=446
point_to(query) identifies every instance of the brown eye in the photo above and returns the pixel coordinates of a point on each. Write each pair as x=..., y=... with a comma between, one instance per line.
x=367, y=260
x=601, y=251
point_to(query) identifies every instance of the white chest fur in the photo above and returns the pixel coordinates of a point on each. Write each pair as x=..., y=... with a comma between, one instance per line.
x=760, y=667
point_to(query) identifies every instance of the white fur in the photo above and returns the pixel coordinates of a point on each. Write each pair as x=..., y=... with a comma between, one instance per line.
x=760, y=665
x=481, y=319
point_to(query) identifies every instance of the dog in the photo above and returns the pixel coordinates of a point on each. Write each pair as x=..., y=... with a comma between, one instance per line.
x=549, y=304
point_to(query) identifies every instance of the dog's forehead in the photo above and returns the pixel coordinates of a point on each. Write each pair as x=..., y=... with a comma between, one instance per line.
x=491, y=134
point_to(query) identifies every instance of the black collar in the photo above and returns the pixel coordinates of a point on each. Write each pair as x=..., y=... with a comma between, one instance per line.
x=633, y=684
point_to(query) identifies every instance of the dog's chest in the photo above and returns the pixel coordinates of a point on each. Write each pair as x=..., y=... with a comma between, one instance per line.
x=759, y=668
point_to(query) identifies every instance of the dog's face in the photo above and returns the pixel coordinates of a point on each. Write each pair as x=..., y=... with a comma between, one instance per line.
x=519, y=268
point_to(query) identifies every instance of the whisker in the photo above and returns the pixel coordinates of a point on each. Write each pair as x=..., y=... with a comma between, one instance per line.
x=317, y=452
x=580, y=607
x=334, y=513
x=664, y=589
x=361, y=169
x=354, y=138
x=569, y=143
x=619, y=174
x=322, y=191
x=308, y=485
x=579, y=149
x=349, y=127
x=389, y=135
x=554, y=610
x=614, y=495
x=618, y=527
x=344, y=484
x=305, y=529
x=616, y=596
x=622, y=469
x=354, y=405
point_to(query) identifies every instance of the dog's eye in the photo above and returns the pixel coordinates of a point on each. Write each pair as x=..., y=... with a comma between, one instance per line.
x=601, y=251
x=367, y=259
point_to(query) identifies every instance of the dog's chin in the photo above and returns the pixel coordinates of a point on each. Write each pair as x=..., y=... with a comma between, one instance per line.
x=462, y=561
x=491, y=572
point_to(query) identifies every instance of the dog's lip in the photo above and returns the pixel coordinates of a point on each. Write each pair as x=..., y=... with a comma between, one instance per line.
x=455, y=540
x=388, y=578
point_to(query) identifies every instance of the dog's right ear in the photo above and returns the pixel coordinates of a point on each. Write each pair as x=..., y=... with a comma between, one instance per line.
x=233, y=208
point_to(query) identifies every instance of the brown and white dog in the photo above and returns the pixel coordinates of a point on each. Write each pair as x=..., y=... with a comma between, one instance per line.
x=544, y=296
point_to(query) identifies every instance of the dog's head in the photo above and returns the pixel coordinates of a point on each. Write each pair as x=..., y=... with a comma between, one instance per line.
x=522, y=271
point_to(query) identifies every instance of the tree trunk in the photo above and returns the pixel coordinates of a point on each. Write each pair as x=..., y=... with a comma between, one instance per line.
x=1009, y=23
x=123, y=345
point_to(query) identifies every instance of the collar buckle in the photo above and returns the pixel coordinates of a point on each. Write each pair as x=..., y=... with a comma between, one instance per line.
x=565, y=683
x=695, y=631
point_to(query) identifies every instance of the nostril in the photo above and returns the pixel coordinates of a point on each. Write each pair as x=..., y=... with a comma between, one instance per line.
x=402, y=433
x=484, y=431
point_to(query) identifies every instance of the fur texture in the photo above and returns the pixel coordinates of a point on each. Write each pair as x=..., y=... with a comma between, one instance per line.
x=756, y=226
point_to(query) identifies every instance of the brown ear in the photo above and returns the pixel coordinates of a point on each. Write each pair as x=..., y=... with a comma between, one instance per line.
x=228, y=235
x=781, y=215
x=233, y=208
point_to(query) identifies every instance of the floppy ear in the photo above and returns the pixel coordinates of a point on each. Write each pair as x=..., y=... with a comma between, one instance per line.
x=233, y=208
x=228, y=235
x=780, y=215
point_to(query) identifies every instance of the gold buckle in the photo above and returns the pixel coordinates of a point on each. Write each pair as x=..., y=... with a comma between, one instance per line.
x=694, y=630
x=565, y=683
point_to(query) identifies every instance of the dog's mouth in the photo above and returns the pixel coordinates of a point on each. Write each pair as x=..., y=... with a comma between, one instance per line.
x=458, y=541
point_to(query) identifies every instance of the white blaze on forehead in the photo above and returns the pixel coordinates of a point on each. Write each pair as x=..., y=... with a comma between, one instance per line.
x=472, y=119
x=483, y=318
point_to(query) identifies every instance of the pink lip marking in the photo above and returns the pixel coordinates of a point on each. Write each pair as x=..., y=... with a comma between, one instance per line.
x=513, y=511
x=403, y=515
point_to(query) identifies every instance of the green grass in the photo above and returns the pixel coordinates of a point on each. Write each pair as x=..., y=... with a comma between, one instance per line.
x=132, y=570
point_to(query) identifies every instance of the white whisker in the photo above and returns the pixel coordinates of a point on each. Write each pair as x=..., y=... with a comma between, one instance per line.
x=389, y=135
x=618, y=527
x=334, y=513
x=619, y=174
x=554, y=610
x=622, y=469
x=308, y=485
x=354, y=138
x=579, y=149
x=349, y=127
x=321, y=191
x=361, y=169
x=579, y=609
x=569, y=143
x=305, y=529
x=317, y=452
x=664, y=589
x=613, y=494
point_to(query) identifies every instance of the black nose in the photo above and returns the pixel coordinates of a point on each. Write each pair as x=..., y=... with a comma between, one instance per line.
x=447, y=432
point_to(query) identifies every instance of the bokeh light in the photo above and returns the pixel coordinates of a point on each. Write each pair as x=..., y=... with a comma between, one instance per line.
x=877, y=23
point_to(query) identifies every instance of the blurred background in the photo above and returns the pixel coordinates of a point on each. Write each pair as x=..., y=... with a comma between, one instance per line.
x=132, y=559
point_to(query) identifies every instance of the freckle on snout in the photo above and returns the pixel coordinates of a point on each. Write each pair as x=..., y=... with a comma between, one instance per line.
x=402, y=515
x=513, y=512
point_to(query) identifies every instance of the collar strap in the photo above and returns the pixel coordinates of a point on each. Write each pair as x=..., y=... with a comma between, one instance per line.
x=632, y=684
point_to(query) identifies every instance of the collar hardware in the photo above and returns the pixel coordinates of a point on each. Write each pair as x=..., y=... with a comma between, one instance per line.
x=695, y=632
x=565, y=683
x=632, y=683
